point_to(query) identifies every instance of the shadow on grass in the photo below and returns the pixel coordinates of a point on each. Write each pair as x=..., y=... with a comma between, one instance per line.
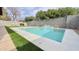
x=21, y=43
x=29, y=47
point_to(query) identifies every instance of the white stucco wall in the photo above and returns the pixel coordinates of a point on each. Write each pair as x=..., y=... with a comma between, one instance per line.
x=11, y=23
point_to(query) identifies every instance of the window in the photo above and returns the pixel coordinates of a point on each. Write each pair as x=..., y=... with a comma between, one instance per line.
x=0, y=10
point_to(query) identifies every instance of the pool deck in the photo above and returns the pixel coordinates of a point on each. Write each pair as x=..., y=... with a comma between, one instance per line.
x=6, y=43
x=70, y=41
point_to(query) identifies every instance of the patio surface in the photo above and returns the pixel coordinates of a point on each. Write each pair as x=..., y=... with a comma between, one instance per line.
x=70, y=41
x=6, y=43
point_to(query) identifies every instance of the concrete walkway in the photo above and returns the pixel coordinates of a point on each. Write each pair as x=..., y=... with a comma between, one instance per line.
x=70, y=40
x=6, y=43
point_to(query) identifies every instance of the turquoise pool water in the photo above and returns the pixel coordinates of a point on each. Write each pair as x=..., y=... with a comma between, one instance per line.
x=47, y=32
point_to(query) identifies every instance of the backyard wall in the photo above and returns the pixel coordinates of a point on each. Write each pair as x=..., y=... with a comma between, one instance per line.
x=57, y=22
x=11, y=23
x=72, y=21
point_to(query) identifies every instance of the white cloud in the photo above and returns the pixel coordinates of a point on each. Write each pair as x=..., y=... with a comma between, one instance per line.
x=42, y=8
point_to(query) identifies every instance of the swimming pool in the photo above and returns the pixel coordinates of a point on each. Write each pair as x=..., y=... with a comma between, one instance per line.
x=47, y=32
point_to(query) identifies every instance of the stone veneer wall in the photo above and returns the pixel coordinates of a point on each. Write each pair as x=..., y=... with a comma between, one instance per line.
x=57, y=22
x=72, y=22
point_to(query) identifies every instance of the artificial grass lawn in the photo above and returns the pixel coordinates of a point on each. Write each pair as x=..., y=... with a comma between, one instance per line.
x=21, y=43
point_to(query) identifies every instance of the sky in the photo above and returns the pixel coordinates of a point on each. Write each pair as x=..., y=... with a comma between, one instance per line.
x=31, y=11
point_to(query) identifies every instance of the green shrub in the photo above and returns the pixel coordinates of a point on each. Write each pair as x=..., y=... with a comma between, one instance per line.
x=21, y=24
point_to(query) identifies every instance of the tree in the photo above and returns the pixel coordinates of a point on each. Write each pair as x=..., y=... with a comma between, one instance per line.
x=77, y=10
x=70, y=10
x=67, y=11
x=51, y=13
x=41, y=15
x=54, y=13
x=5, y=15
x=62, y=12
x=30, y=18
x=14, y=13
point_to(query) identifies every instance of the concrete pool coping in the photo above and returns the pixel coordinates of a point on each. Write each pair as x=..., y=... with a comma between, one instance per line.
x=70, y=40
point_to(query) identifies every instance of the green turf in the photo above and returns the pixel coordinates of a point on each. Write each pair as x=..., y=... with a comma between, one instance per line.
x=21, y=43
